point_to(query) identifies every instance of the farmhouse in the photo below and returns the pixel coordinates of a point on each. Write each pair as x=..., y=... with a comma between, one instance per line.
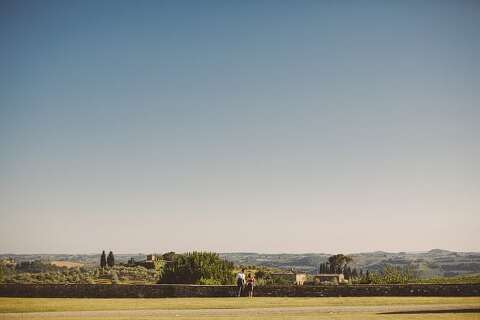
x=151, y=262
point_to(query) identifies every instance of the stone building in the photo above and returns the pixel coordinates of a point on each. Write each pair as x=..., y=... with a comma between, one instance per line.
x=329, y=278
x=152, y=261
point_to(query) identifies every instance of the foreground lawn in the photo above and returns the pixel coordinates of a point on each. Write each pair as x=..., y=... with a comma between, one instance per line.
x=21, y=305
x=294, y=316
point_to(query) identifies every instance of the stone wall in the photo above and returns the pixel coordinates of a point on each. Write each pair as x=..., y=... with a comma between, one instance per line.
x=158, y=291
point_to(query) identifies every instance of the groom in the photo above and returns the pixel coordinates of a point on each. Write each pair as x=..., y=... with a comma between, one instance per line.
x=240, y=282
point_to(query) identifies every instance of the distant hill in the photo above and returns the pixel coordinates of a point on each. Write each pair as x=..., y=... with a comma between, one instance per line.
x=70, y=260
x=436, y=262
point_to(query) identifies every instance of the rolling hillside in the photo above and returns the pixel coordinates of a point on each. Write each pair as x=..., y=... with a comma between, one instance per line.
x=428, y=264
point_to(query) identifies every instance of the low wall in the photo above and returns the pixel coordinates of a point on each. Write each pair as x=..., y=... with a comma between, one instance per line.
x=159, y=291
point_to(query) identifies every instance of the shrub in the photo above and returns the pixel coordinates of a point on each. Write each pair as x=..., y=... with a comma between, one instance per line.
x=198, y=268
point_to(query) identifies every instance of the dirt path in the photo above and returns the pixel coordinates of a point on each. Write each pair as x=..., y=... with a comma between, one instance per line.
x=249, y=311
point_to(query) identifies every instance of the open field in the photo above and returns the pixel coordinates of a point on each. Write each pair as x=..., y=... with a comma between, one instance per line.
x=243, y=308
x=68, y=264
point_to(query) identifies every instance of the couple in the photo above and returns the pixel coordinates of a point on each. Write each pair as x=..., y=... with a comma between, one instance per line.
x=250, y=281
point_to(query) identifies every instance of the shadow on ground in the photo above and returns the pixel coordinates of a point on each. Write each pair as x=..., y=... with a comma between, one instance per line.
x=467, y=310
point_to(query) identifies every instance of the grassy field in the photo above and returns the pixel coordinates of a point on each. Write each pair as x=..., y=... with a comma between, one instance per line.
x=233, y=308
x=68, y=264
x=54, y=304
x=292, y=316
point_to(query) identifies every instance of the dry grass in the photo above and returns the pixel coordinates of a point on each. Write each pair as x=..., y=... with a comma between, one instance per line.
x=311, y=316
x=21, y=305
x=68, y=264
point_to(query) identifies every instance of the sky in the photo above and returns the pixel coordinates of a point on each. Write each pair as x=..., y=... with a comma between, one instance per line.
x=255, y=126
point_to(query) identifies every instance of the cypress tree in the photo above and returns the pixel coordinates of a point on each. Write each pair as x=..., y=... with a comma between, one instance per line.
x=110, y=259
x=354, y=273
x=103, y=260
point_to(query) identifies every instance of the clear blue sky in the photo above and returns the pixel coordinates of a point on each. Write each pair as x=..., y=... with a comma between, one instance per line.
x=270, y=126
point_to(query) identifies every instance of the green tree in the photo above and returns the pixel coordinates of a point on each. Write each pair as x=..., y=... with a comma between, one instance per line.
x=347, y=272
x=394, y=275
x=103, y=260
x=338, y=262
x=260, y=274
x=355, y=273
x=110, y=259
x=169, y=256
x=198, y=268
x=37, y=266
x=324, y=268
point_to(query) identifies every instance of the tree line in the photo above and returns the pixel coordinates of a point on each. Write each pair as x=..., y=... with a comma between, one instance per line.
x=338, y=264
x=389, y=274
x=192, y=268
x=189, y=268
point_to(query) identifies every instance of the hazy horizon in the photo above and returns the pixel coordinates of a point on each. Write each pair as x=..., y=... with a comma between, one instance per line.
x=252, y=126
x=224, y=252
